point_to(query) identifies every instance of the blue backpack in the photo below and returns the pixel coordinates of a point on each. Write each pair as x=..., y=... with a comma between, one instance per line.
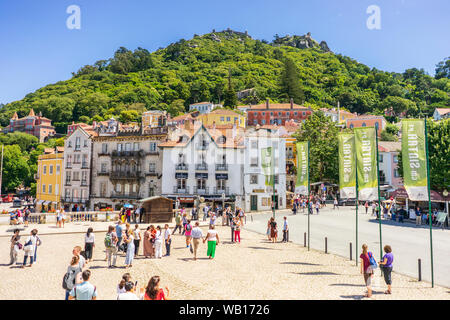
x=373, y=263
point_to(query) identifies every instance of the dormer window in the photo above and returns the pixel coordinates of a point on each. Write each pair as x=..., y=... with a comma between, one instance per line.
x=221, y=140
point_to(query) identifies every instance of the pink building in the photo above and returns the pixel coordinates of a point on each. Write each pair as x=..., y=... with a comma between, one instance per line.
x=37, y=126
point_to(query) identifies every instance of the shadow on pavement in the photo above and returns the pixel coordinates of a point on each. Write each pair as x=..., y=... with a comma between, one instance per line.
x=354, y=297
x=318, y=273
x=346, y=285
x=406, y=224
x=192, y=259
x=263, y=248
x=302, y=263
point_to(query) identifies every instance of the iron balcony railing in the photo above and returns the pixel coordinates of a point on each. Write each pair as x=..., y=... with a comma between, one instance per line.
x=201, y=166
x=219, y=191
x=125, y=174
x=184, y=190
x=181, y=167
x=198, y=190
x=221, y=167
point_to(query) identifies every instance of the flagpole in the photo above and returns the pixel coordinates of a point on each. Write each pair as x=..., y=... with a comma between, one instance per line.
x=273, y=181
x=1, y=171
x=309, y=200
x=379, y=200
x=429, y=203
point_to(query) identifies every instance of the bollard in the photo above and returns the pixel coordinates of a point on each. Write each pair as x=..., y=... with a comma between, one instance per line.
x=326, y=245
x=251, y=217
x=420, y=269
x=351, y=251
x=304, y=240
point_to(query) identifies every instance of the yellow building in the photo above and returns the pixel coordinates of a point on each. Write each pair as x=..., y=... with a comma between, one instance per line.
x=154, y=118
x=49, y=179
x=222, y=116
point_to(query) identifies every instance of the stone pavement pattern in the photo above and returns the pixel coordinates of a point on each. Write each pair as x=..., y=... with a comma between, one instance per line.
x=254, y=269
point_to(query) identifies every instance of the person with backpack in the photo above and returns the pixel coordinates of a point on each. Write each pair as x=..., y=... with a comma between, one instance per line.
x=188, y=233
x=30, y=248
x=71, y=276
x=84, y=290
x=177, y=223
x=14, y=239
x=386, y=267
x=111, y=246
x=368, y=263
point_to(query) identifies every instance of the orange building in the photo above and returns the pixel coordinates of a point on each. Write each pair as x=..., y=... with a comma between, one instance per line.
x=378, y=122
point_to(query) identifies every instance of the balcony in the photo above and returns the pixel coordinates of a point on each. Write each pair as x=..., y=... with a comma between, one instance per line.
x=119, y=195
x=125, y=175
x=84, y=165
x=68, y=165
x=103, y=153
x=219, y=191
x=102, y=173
x=289, y=156
x=198, y=190
x=151, y=173
x=181, y=167
x=180, y=191
x=74, y=199
x=120, y=154
x=221, y=167
x=152, y=153
x=68, y=183
x=201, y=167
x=84, y=182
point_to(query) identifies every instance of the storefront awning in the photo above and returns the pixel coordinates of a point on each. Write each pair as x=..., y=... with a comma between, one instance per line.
x=46, y=203
x=40, y=202
x=435, y=196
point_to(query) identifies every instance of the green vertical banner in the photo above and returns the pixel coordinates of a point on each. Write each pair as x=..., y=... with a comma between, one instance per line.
x=366, y=162
x=414, y=159
x=301, y=185
x=267, y=166
x=347, y=166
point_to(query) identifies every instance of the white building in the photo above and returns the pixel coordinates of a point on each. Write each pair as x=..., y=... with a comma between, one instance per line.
x=206, y=162
x=441, y=113
x=77, y=169
x=258, y=196
x=388, y=162
x=204, y=107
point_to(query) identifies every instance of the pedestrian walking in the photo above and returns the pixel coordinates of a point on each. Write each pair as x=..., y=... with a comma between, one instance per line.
x=374, y=206
x=196, y=234
x=294, y=208
x=137, y=214
x=137, y=239
x=89, y=244
x=366, y=270
x=335, y=204
x=158, y=242
x=188, y=232
x=154, y=292
x=129, y=292
x=12, y=252
x=366, y=205
x=386, y=267
x=212, y=220
x=71, y=277
x=205, y=212
x=177, y=223
x=111, y=246
x=119, y=234
x=148, y=248
x=317, y=206
x=213, y=240
x=130, y=249
x=241, y=216
x=237, y=230
x=167, y=239
x=58, y=218
x=30, y=247
x=273, y=230
x=285, y=230
x=76, y=251
x=152, y=239
x=184, y=220
x=84, y=290
x=268, y=229
x=26, y=217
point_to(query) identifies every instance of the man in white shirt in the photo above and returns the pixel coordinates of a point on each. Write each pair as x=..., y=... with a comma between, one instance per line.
x=129, y=294
x=196, y=235
x=167, y=239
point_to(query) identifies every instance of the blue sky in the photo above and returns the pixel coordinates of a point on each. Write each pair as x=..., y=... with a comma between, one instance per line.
x=36, y=47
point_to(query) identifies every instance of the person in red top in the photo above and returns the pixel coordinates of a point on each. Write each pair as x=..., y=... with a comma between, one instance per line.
x=366, y=270
x=154, y=292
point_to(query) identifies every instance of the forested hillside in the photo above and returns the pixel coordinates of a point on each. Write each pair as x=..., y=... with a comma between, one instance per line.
x=198, y=70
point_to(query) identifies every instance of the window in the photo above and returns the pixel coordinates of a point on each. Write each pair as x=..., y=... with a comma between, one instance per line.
x=363, y=124
x=295, y=113
x=77, y=158
x=254, y=162
x=181, y=183
x=395, y=159
x=221, y=184
x=68, y=176
x=50, y=189
x=222, y=119
x=136, y=146
x=254, y=144
x=277, y=180
x=45, y=170
x=287, y=113
x=152, y=167
x=152, y=146
x=104, y=147
x=304, y=113
x=134, y=189
x=255, y=121
x=254, y=179
x=271, y=113
x=380, y=158
x=263, y=121
x=263, y=113
x=127, y=146
x=84, y=176
x=151, y=191
x=228, y=119
x=85, y=144
x=201, y=184
x=76, y=175
x=50, y=171
x=77, y=143
x=351, y=126
x=396, y=174
x=235, y=119
x=69, y=145
x=58, y=169
x=102, y=189
x=119, y=147
x=103, y=167
x=118, y=187
x=126, y=189
x=43, y=188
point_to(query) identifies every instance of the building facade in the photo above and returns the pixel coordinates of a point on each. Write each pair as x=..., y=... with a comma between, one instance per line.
x=49, y=179
x=276, y=113
x=441, y=113
x=204, y=107
x=222, y=117
x=378, y=122
x=126, y=165
x=206, y=162
x=154, y=118
x=388, y=162
x=258, y=195
x=37, y=126
x=77, y=169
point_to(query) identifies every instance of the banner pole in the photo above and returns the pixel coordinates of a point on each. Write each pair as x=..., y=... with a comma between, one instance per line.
x=309, y=200
x=429, y=202
x=273, y=181
x=356, y=187
x=379, y=200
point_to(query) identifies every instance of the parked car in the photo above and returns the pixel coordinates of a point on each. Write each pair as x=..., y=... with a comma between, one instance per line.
x=18, y=203
x=7, y=198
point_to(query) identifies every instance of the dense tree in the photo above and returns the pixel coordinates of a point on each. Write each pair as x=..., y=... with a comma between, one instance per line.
x=16, y=170
x=321, y=132
x=443, y=69
x=25, y=141
x=230, y=94
x=290, y=82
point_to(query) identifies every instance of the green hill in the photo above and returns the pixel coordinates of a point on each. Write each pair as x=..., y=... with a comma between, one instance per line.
x=197, y=70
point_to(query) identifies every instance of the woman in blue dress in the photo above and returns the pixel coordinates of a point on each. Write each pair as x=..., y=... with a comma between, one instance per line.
x=130, y=249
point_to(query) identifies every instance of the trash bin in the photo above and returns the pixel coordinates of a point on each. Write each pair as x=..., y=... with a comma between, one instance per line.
x=107, y=216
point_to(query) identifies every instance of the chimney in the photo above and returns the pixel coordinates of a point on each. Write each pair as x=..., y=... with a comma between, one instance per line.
x=267, y=103
x=292, y=103
x=187, y=124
